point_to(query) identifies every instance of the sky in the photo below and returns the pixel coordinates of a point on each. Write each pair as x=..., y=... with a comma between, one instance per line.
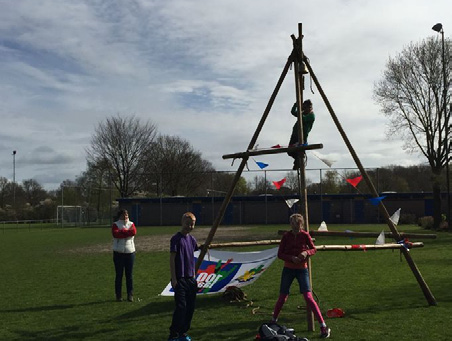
x=200, y=70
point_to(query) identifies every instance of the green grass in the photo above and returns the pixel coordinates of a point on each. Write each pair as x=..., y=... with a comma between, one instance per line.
x=53, y=289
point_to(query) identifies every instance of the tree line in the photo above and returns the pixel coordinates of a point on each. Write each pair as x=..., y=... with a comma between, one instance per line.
x=94, y=190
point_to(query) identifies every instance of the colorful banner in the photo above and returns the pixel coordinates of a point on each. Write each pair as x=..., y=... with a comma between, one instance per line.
x=220, y=269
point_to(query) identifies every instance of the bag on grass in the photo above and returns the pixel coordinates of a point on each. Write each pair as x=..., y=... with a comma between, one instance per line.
x=276, y=332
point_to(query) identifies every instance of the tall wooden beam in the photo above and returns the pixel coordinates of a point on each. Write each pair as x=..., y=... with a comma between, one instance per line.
x=236, y=179
x=301, y=172
x=395, y=233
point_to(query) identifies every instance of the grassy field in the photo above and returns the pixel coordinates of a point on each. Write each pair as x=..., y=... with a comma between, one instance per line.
x=57, y=284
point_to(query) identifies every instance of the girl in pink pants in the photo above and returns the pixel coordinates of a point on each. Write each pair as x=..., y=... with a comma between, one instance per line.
x=294, y=249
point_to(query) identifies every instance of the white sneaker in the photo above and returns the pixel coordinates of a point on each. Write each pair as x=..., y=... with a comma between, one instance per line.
x=325, y=332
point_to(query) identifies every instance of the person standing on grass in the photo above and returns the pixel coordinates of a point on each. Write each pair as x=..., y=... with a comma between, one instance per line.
x=294, y=249
x=124, y=232
x=183, y=277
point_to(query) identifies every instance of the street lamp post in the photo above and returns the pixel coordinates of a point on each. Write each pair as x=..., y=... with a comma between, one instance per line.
x=14, y=178
x=439, y=28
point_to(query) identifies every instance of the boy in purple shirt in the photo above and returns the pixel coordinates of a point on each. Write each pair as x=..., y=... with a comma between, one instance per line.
x=183, y=279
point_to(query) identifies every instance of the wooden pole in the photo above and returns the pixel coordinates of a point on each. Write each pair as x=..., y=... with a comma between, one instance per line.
x=371, y=247
x=244, y=244
x=230, y=192
x=360, y=247
x=350, y=234
x=301, y=172
x=267, y=151
x=395, y=233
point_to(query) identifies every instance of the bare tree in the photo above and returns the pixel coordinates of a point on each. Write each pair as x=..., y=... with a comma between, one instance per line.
x=3, y=191
x=221, y=182
x=175, y=167
x=123, y=143
x=411, y=94
x=34, y=193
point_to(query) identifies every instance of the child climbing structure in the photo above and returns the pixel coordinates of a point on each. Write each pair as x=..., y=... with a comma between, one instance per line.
x=300, y=63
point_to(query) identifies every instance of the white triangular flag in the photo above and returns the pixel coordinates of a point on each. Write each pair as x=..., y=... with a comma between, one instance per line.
x=325, y=160
x=322, y=227
x=395, y=217
x=291, y=202
x=381, y=238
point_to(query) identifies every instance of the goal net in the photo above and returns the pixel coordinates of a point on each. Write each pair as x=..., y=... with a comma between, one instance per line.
x=69, y=215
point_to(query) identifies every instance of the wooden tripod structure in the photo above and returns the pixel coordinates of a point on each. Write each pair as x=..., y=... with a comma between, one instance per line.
x=298, y=58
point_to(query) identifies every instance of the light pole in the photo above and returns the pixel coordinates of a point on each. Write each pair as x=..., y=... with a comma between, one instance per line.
x=439, y=28
x=14, y=178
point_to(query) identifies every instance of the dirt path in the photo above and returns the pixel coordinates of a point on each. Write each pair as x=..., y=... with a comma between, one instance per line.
x=161, y=242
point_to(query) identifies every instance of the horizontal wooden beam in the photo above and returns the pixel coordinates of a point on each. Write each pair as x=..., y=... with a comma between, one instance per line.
x=370, y=247
x=266, y=151
x=357, y=247
x=242, y=244
x=363, y=234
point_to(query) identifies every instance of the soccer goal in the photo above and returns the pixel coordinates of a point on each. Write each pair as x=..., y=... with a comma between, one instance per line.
x=69, y=215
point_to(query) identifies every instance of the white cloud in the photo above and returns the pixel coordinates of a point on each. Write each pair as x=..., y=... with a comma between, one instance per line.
x=200, y=70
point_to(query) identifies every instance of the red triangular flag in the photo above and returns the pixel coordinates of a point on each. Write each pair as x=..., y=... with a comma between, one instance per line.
x=276, y=146
x=355, y=181
x=279, y=183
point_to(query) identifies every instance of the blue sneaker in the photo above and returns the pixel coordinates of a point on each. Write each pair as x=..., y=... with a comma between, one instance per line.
x=184, y=337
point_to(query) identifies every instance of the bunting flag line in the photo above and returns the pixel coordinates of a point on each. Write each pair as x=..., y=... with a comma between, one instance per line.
x=225, y=268
x=355, y=181
x=395, y=217
x=261, y=164
x=376, y=201
x=326, y=161
x=279, y=183
x=291, y=202
x=381, y=239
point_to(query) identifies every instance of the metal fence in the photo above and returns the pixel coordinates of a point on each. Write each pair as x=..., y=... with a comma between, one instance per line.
x=273, y=209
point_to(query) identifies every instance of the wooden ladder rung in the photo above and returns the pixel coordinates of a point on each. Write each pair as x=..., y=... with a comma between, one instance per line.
x=249, y=153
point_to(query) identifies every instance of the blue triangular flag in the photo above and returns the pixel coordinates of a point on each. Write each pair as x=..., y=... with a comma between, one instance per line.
x=376, y=201
x=261, y=164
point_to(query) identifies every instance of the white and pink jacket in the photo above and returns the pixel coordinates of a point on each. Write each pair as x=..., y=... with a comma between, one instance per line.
x=123, y=236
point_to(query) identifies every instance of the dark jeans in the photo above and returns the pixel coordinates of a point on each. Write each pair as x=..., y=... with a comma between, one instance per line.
x=184, y=297
x=287, y=277
x=123, y=261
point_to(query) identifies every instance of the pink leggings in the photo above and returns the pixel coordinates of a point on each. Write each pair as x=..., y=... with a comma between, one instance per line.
x=309, y=301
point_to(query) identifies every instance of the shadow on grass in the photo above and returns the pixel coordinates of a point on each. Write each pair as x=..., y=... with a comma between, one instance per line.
x=204, y=303
x=244, y=330
x=403, y=298
x=65, y=333
x=52, y=307
x=353, y=313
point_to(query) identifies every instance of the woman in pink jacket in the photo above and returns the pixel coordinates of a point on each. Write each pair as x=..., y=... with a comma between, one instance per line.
x=294, y=249
x=123, y=231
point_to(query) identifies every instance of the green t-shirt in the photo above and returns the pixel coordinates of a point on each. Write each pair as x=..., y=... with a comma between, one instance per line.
x=308, y=121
